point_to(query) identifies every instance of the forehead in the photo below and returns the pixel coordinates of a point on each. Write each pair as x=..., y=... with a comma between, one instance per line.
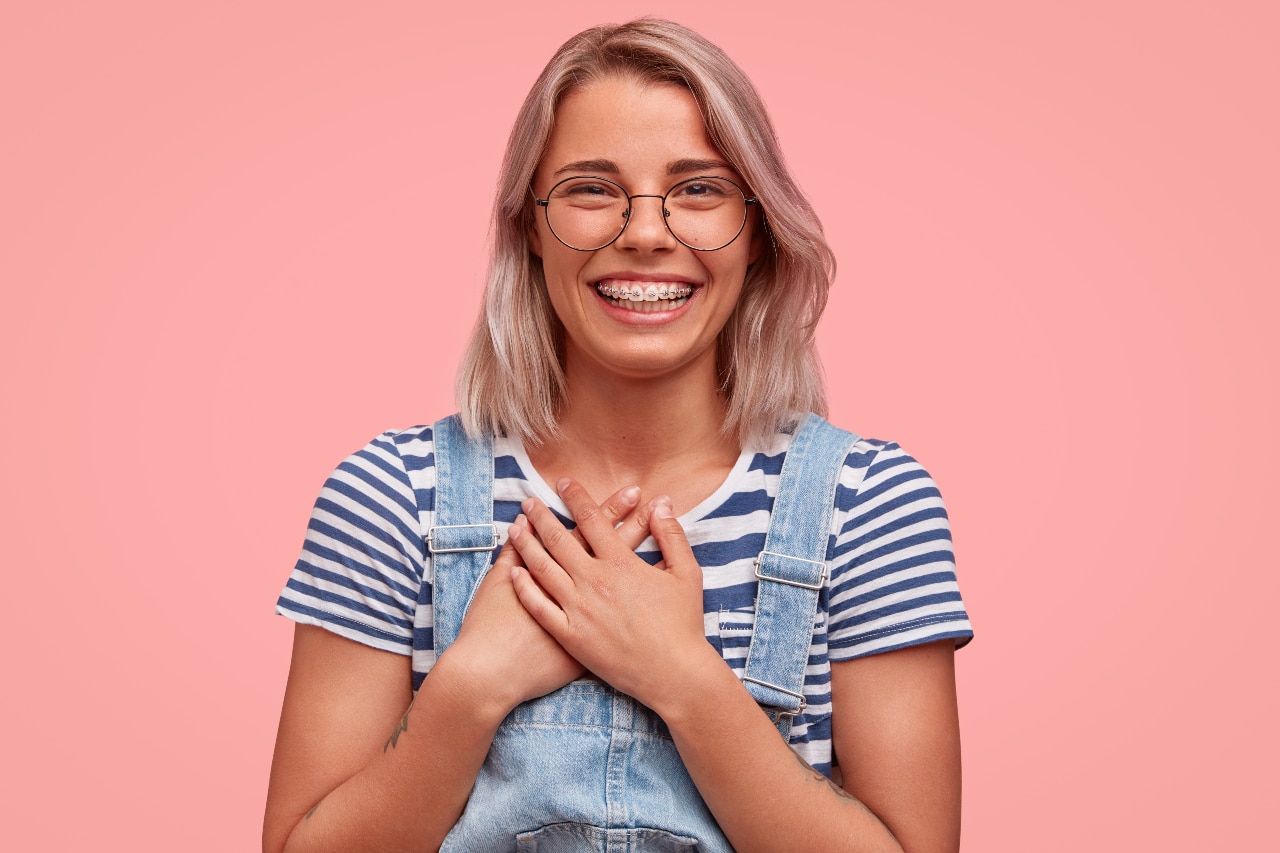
x=639, y=126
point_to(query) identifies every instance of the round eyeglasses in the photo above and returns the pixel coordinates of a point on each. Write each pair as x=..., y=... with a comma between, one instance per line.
x=587, y=213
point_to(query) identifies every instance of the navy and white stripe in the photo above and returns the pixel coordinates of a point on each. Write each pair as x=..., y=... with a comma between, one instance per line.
x=364, y=572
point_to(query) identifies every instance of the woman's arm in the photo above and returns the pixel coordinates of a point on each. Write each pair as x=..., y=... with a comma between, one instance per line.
x=640, y=628
x=896, y=737
x=362, y=764
x=353, y=769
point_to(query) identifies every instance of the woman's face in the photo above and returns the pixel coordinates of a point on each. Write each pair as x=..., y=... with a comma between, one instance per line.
x=647, y=138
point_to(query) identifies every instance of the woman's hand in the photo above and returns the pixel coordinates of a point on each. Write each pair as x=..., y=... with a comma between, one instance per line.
x=628, y=622
x=501, y=644
x=503, y=648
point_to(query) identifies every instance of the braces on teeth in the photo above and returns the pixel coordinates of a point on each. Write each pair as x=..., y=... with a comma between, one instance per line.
x=649, y=293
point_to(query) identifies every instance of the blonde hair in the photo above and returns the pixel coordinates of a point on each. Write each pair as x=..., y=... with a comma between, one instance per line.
x=512, y=381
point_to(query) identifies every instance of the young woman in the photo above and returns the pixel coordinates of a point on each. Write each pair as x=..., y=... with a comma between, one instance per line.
x=748, y=645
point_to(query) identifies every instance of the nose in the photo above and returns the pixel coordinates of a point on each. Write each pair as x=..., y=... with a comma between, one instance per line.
x=646, y=227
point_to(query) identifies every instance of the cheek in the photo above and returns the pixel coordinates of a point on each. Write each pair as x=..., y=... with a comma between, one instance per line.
x=562, y=272
x=559, y=268
x=560, y=264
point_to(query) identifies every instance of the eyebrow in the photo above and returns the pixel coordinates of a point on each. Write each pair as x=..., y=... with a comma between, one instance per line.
x=602, y=167
x=608, y=167
x=683, y=167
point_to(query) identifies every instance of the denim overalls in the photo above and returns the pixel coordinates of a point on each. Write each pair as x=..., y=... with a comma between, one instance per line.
x=586, y=768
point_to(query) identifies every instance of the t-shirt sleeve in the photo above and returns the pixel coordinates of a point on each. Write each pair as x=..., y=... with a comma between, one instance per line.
x=893, y=577
x=361, y=566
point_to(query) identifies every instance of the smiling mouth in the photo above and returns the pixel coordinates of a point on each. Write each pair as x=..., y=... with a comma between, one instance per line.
x=644, y=296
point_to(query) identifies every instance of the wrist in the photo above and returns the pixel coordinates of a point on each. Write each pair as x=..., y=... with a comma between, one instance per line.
x=683, y=692
x=463, y=685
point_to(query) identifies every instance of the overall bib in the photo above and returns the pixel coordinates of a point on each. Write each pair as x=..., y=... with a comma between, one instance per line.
x=586, y=768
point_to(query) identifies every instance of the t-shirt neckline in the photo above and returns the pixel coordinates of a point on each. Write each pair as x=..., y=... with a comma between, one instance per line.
x=505, y=446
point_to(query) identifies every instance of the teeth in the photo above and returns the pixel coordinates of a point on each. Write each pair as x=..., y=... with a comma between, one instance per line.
x=646, y=307
x=638, y=292
x=643, y=296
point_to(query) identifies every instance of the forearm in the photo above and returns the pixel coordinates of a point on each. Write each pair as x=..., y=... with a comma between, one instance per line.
x=764, y=796
x=415, y=785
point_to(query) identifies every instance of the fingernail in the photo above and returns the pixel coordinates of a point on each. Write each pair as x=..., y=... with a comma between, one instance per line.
x=631, y=494
x=562, y=484
x=526, y=504
x=663, y=509
x=513, y=532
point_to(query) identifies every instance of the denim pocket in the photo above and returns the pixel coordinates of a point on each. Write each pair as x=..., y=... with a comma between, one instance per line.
x=582, y=838
x=734, y=632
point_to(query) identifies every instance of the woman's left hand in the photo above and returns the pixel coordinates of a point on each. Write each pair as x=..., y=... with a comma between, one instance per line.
x=630, y=623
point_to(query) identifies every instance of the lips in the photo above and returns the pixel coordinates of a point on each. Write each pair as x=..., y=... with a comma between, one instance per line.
x=644, y=296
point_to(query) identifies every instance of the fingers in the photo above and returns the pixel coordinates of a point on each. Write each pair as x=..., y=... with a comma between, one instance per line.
x=635, y=529
x=537, y=603
x=508, y=556
x=501, y=568
x=677, y=555
x=540, y=564
x=593, y=522
x=561, y=543
x=615, y=509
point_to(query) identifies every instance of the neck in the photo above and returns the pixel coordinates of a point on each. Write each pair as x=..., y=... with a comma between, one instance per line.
x=662, y=434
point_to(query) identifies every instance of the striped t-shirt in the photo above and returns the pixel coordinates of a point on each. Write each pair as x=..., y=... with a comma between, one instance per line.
x=363, y=572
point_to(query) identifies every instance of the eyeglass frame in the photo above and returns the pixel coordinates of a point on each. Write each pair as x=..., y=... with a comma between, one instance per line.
x=545, y=204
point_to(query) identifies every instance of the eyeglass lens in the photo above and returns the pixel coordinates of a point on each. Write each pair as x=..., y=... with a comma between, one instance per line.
x=589, y=213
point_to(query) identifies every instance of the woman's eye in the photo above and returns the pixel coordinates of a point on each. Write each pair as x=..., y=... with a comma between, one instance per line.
x=590, y=190
x=701, y=188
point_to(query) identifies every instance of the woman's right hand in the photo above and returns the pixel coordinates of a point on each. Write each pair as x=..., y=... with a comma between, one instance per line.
x=338, y=783
x=506, y=655
x=509, y=656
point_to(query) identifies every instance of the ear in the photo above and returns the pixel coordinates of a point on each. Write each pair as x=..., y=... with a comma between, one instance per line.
x=535, y=239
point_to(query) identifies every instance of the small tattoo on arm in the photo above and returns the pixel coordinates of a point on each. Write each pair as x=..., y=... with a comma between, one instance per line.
x=402, y=727
x=818, y=777
x=838, y=791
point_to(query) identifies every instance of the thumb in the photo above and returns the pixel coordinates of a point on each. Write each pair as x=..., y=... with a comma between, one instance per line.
x=677, y=555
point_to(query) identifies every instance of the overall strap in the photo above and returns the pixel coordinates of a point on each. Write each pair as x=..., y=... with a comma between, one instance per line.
x=462, y=537
x=792, y=569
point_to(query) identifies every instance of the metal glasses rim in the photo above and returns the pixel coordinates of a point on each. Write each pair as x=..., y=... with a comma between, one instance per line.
x=545, y=204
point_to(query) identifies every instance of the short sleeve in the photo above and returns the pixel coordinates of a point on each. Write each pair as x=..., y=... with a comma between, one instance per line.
x=893, y=577
x=361, y=567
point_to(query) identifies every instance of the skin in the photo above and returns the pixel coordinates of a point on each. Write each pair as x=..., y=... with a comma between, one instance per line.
x=636, y=385
x=354, y=770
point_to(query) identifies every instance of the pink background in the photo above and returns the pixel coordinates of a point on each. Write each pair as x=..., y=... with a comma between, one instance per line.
x=237, y=240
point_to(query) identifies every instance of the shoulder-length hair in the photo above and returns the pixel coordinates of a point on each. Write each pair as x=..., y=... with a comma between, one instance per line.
x=512, y=379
